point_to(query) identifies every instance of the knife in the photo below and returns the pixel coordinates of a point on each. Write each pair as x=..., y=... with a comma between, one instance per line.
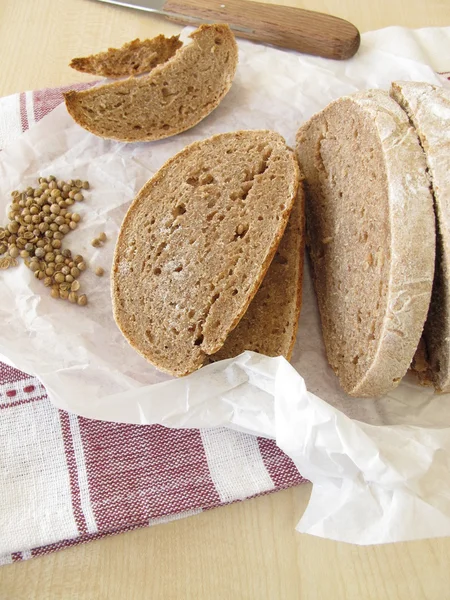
x=285, y=26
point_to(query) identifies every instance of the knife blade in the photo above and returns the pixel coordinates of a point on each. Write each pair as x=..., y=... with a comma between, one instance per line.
x=288, y=27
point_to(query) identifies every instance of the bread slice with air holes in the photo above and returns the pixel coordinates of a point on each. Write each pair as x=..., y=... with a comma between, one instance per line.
x=270, y=323
x=428, y=108
x=196, y=243
x=173, y=97
x=134, y=58
x=370, y=225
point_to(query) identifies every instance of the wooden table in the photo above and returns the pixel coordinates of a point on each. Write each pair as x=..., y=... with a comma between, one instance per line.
x=244, y=551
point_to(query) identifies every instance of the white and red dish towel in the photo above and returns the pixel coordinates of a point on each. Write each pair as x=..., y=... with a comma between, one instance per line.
x=65, y=480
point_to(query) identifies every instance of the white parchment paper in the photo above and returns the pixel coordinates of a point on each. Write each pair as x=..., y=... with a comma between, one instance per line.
x=380, y=468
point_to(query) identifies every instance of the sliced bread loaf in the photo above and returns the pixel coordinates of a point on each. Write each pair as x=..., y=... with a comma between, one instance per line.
x=196, y=243
x=133, y=58
x=370, y=226
x=270, y=324
x=428, y=108
x=173, y=97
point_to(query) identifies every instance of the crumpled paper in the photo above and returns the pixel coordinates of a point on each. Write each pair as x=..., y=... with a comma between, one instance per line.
x=379, y=468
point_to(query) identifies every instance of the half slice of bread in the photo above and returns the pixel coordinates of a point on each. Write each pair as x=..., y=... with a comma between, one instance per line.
x=270, y=324
x=370, y=224
x=428, y=108
x=196, y=243
x=133, y=58
x=173, y=97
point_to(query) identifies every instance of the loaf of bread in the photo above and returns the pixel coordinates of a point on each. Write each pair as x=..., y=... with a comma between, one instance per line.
x=173, y=97
x=270, y=324
x=428, y=108
x=370, y=228
x=196, y=243
x=133, y=58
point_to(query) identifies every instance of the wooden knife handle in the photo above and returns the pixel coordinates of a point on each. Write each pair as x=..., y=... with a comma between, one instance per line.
x=294, y=28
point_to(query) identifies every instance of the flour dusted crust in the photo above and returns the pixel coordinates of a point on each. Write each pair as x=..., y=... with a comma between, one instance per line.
x=428, y=108
x=196, y=243
x=371, y=228
x=172, y=98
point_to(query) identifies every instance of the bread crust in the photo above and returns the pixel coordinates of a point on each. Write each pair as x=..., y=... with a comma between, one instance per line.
x=428, y=108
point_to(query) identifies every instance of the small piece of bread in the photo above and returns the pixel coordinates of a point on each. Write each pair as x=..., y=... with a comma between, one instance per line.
x=428, y=108
x=196, y=243
x=370, y=224
x=270, y=324
x=173, y=97
x=133, y=58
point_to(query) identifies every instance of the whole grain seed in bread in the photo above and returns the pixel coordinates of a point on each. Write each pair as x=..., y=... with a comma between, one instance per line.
x=173, y=97
x=133, y=58
x=428, y=108
x=270, y=324
x=196, y=243
x=370, y=225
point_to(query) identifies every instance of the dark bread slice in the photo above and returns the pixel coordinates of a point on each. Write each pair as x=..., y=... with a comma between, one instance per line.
x=133, y=58
x=428, y=107
x=270, y=324
x=196, y=243
x=370, y=225
x=173, y=97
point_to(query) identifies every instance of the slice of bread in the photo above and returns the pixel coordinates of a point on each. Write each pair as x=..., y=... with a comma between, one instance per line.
x=270, y=324
x=196, y=243
x=173, y=97
x=133, y=58
x=428, y=108
x=370, y=228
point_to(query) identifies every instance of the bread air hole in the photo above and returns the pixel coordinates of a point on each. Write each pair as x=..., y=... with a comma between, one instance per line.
x=179, y=210
x=157, y=271
x=199, y=340
x=178, y=269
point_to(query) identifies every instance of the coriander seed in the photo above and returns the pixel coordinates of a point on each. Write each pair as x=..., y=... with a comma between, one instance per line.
x=99, y=271
x=82, y=300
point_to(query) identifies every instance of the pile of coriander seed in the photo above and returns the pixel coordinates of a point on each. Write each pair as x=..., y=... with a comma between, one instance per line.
x=39, y=219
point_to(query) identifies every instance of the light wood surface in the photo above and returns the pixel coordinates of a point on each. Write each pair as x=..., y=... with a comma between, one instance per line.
x=286, y=26
x=248, y=550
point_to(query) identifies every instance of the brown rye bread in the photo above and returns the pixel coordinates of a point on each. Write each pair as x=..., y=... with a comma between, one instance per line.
x=428, y=108
x=270, y=323
x=196, y=243
x=370, y=227
x=173, y=97
x=133, y=58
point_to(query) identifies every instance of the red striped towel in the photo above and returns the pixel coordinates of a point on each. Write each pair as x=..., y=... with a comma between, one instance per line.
x=65, y=480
